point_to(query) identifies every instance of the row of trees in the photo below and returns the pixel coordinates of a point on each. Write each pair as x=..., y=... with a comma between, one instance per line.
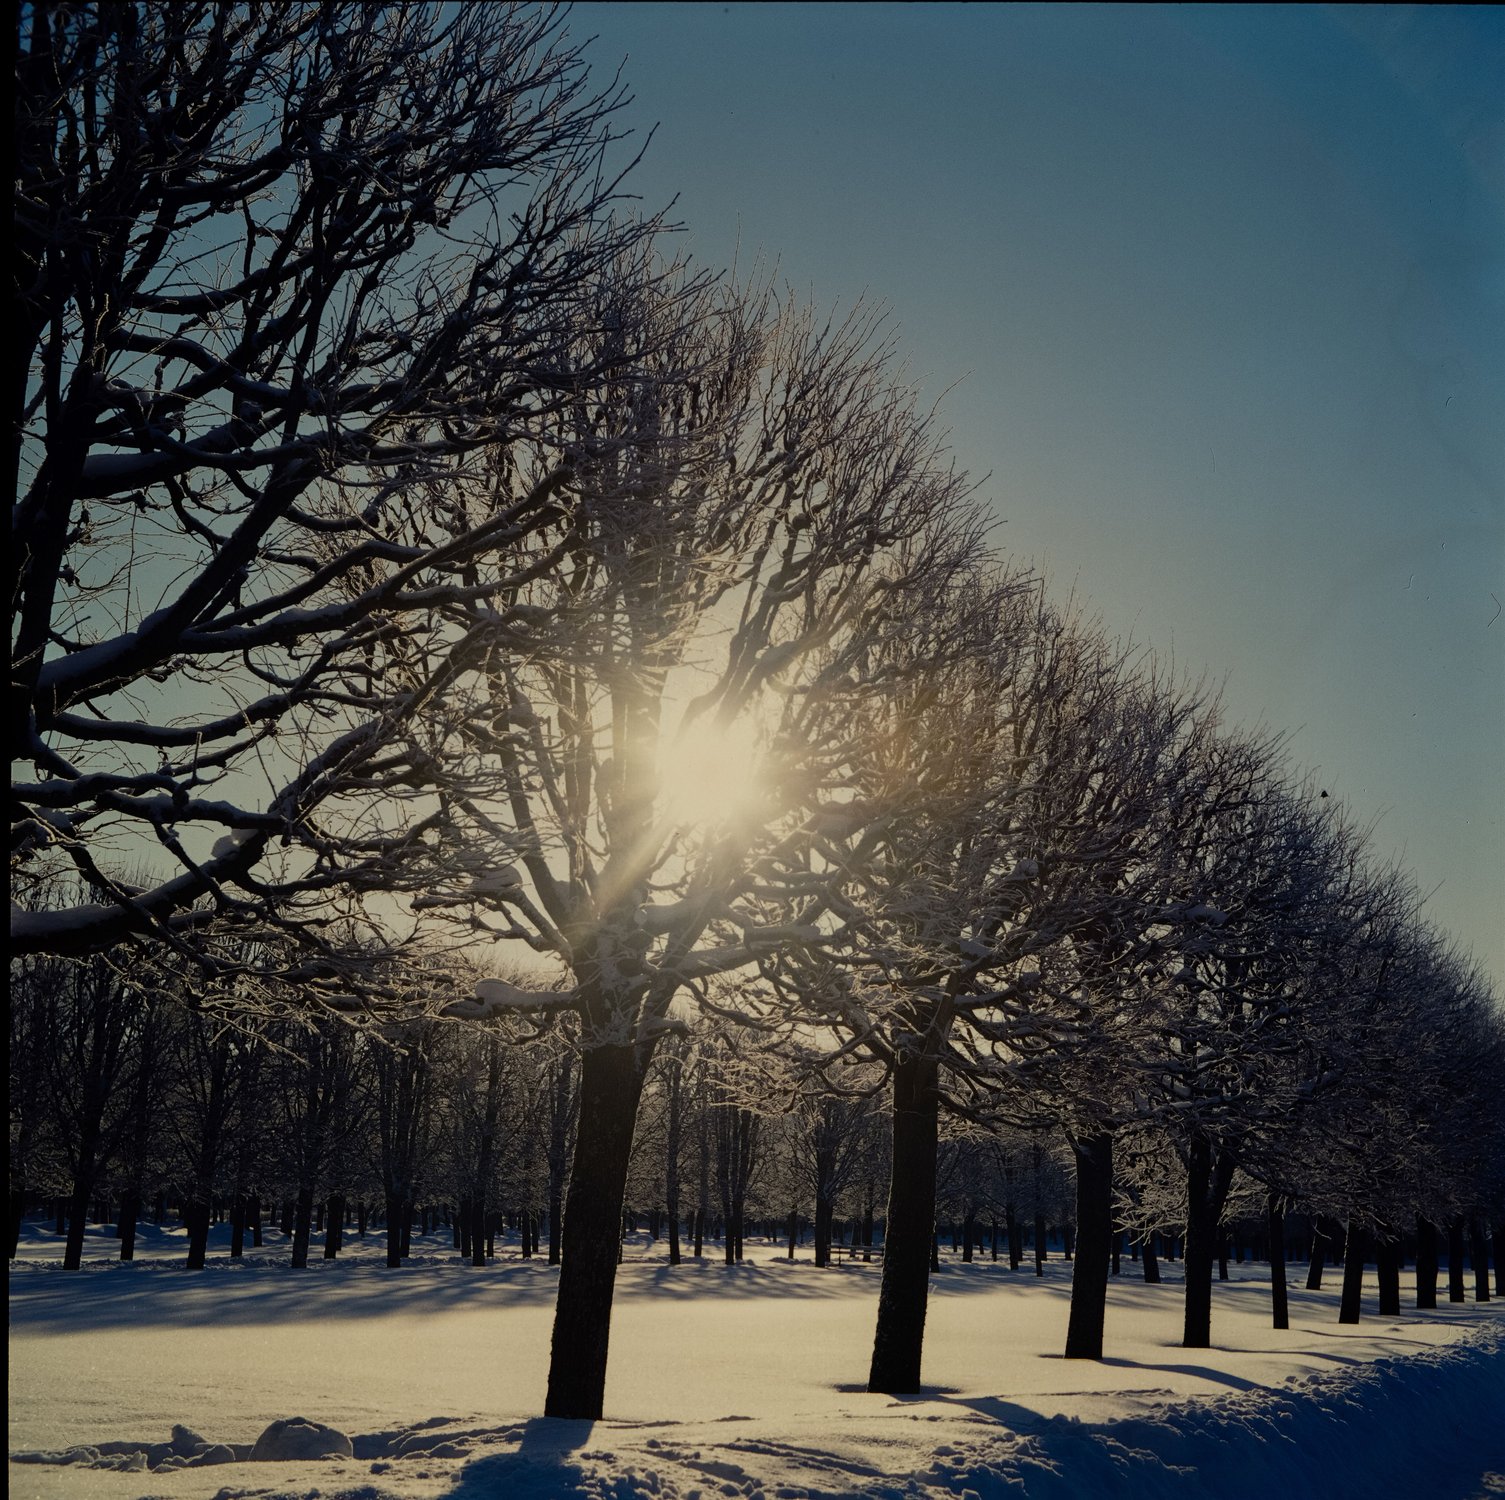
x=392, y=512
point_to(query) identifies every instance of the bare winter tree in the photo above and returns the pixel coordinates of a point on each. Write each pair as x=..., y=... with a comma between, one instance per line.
x=276, y=266
x=762, y=494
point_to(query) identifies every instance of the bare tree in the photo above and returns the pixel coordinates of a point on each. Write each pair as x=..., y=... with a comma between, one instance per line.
x=276, y=267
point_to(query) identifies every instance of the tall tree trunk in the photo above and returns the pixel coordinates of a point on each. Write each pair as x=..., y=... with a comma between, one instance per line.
x=303, y=1218
x=394, y=1231
x=824, y=1212
x=196, y=1212
x=78, y=1217
x=1387, y=1268
x=1455, y=1261
x=1208, y=1175
x=611, y=1083
x=1275, y=1228
x=1151, y=1263
x=1426, y=1264
x=130, y=1213
x=334, y=1226
x=1094, y=1245
x=900, y=1334
x=478, y=1217
x=1039, y=1243
x=1317, y=1258
x=1479, y=1248
x=1353, y=1274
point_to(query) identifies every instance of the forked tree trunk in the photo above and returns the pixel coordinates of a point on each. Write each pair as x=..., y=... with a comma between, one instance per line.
x=1426, y=1264
x=1094, y=1246
x=1353, y=1274
x=909, y=1233
x=1275, y=1228
x=611, y=1083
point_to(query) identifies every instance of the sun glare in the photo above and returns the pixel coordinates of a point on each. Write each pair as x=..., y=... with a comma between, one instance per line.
x=709, y=774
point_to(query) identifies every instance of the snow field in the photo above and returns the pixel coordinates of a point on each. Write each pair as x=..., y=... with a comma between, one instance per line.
x=743, y=1380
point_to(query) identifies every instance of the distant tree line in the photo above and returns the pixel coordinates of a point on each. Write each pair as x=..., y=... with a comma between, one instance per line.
x=393, y=510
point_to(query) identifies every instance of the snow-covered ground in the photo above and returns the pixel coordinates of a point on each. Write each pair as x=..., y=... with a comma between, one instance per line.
x=727, y=1381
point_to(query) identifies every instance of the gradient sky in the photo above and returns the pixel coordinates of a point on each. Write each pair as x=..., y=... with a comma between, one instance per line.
x=1225, y=291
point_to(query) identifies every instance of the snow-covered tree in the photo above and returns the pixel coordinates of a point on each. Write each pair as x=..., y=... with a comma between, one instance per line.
x=278, y=269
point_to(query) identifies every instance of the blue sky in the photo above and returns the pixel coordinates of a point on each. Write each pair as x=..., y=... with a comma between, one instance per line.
x=1224, y=290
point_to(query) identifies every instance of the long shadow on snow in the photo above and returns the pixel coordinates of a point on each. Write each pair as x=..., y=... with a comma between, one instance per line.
x=226, y=1293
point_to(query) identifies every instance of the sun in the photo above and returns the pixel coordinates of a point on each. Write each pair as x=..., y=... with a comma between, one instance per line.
x=710, y=774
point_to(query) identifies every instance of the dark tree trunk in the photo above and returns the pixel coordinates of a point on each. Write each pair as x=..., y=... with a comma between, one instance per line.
x=130, y=1214
x=909, y=1233
x=1015, y=1235
x=17, y=1214
x=1498, y=1238
x=1479, y=1250
x=824, y=1213
x=1426, y=1264
x=1455, y=1262
x=303, y=1218
x=466, y=1228
x=334, y=1226
x=237, y=1226
x=78, y=1218
x=1275, y=1228
x=611, y=1083
x=1208, y=1175
x=1353, y=1274
x=394, y=1232
x=1039, y=1244
x=1318, y=1256
x=1094, y=1237
x=1387, y=1267
x=1151, y=1264
x=254, y=1210
x=478, y=1222
x=867, y=1227
x=196, y=1213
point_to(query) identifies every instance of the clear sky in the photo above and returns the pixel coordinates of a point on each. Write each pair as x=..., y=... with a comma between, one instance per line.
x=1225, y=292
